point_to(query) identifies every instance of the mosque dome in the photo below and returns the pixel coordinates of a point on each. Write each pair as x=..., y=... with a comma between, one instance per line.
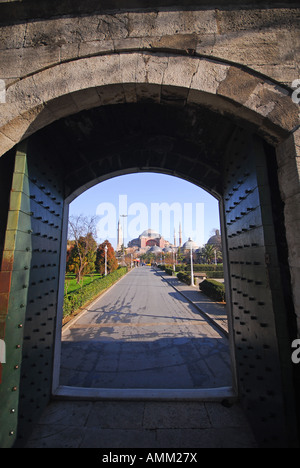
x=150, y=234
x=190, y=244
x=168, y=250
x=216, y=239
x=155, y=249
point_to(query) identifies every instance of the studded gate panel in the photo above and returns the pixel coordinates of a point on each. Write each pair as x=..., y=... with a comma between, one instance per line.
x=33, y=294
x=16, y=257
x=46, y=196
x=257, y=300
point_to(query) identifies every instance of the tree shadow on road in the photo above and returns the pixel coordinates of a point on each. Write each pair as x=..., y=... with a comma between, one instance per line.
x=181, y=363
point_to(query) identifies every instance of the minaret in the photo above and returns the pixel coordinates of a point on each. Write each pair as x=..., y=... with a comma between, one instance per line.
x=174, y=237
x=180, y=235
x=120, y=237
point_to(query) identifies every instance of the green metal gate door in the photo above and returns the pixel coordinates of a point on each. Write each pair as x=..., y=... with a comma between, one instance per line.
x=29, y=274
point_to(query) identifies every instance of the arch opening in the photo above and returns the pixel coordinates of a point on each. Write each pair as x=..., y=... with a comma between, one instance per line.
x=158, y=340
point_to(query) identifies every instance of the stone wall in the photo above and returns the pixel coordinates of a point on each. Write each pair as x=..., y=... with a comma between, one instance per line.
x=288, y=155
x=265, y=40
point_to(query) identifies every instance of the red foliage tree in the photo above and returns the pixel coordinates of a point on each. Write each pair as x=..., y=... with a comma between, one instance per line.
x=112, y=263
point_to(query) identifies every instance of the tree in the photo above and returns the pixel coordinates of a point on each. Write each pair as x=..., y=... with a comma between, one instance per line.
x=180, y=255
x=82, y=255
x=209, y=253
x=148, y=257
x=112, y=263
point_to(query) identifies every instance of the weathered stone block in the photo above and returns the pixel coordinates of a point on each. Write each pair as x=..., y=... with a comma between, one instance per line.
x=180, y=71
x=5, y=143
x=186, y=42
x=289, y=179
x=112, y=94
x=12, y=37
x=250, y=19
x=168, y=23
x=238, y=85
x=95, y=47
x=148, y=93
x=209, y=76
x=86, y=99
x=62, y=107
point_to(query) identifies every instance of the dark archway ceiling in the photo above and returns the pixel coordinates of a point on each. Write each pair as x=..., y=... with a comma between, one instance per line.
x=14, y=10
x=94, y=145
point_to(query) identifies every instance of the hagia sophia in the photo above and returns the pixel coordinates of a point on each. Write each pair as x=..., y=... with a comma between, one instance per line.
x=152, y=241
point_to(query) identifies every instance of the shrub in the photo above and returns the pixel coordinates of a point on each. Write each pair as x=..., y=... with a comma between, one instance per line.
x=215, y=274
x=203, y=268
x=80, y=297
x=213, y=289
x=169, y=271
x=185, y=277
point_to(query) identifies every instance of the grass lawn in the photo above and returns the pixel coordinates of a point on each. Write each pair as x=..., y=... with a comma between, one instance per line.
x=71, y=284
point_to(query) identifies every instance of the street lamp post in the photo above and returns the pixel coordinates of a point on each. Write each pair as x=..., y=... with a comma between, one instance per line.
x=105, y=249
x=173, y=255
x=124, y=216
x=192, y=268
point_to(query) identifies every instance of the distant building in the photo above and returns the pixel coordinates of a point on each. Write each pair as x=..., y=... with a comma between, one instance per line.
x=151, y=238
x=180, y=236
x=190, y=244
x=152, y=241
x=216, y=240
x=120, y=240
x=148, y=240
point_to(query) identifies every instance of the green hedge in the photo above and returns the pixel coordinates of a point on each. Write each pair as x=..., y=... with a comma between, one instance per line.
x=215, y=274
x=80, y=297
x=169, y=271
x=213, y=289
x=185, y=277
x=205, y=267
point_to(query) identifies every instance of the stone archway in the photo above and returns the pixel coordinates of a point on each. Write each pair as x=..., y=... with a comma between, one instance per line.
x=41, y=98
x=162, y=80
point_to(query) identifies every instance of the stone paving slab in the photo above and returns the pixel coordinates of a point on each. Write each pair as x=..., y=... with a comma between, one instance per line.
x=141, y=425
x=214, y=311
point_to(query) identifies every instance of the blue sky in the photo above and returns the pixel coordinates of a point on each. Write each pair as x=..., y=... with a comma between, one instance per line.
x=149, y=200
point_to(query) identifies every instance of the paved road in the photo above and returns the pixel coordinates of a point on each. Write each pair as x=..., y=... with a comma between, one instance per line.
x=144, y=334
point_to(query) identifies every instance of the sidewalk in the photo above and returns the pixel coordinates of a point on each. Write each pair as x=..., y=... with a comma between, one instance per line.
x=215, y=312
